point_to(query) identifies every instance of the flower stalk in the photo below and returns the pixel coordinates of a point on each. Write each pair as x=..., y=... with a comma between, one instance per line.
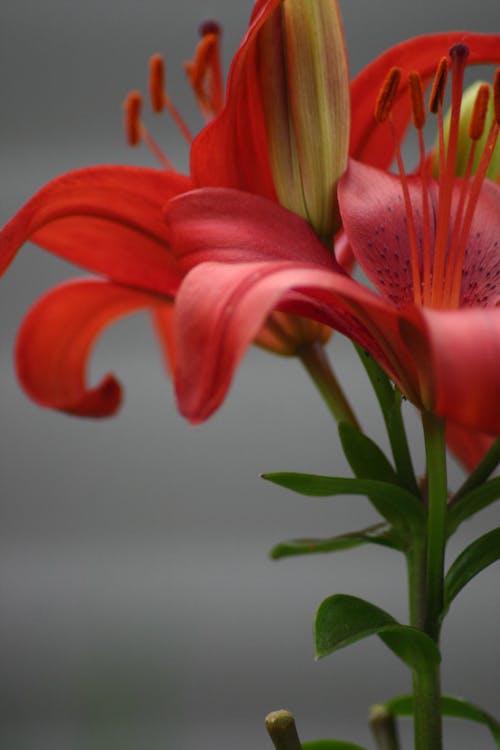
x=316, y=363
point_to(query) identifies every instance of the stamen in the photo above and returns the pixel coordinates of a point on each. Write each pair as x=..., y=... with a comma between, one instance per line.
x=387, y=95
x=160, y=100
x=157, y=83
x=474, y=193
x=478, y=117
x=133, y=107
x=417, y=99
x=439, y=86
x=496, y=95
x=418, y=113
x=137, y=132
x=476, y=129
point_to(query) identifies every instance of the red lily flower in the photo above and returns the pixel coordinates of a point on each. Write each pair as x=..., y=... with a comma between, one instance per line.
x=430, y=249
x=109, y=221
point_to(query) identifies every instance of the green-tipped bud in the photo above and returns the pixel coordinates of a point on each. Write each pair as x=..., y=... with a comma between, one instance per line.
x=383, y=726
x=304, y=80
x=282, y=730
x=467, y=114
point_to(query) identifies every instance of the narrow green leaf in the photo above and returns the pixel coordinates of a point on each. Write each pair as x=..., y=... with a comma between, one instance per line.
x=397, y=505
x=468, y=505
x=330, y=745
x=457, y=708
x=343, y=619
x=365, y=458
x=380, y=534
x=475, y=558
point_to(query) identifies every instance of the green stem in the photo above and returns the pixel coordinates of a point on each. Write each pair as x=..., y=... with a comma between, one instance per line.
x=435, y=449
x=390, y=403
x=314, y=359
x=425, y=560
x=417, y=583
x=485, y=467
x=427, y=710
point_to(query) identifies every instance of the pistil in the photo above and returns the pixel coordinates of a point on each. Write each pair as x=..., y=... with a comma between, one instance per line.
x=458, y=54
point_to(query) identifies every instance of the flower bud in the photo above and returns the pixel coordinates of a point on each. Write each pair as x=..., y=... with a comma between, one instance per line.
x=464, y=137
x=304, y=80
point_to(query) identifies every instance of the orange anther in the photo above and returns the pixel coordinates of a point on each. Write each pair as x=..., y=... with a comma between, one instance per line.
x=496, y=95
x=387, y=94
x=417, y=99
x=479, y=112
x=133, y=107
x=157, y=83
x=439, y=86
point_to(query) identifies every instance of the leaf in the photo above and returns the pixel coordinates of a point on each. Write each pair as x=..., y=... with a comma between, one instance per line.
x=397, y=505
x=343, y=619
x=330, y=745
x=380, y=534
x=475, y=558
x=364, y=456
x=458, y=708
x=471, y=503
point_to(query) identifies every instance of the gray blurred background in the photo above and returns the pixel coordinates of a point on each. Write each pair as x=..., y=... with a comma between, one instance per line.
x=138, y=605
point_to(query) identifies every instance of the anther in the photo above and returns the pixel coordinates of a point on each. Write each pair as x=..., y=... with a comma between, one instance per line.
x=387, y=94
x=417, y=99
x=157, y=83
x=438, y=86
x=209, y=27
x=479, y=112
x=496, y=96
x=133, y=106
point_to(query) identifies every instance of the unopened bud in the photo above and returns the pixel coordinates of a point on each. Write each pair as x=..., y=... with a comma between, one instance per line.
x=304, y=80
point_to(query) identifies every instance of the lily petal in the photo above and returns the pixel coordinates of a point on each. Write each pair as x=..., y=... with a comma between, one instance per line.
x=56, y=338
x=106, y=219
x=221, y=308
x=199, y=233
x=232, y=150
x=468, y=446
x=374, y=216
x=458, y=352
x=373, y=144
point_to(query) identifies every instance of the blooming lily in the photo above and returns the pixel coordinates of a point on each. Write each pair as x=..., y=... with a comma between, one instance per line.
x=429, y=248
x=109, y=219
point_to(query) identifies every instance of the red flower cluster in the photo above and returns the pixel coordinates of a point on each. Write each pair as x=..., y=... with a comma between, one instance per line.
x=244, y=261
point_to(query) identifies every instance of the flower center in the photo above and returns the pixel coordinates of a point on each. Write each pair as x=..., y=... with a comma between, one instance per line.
x=205, y=77
x=437, y=257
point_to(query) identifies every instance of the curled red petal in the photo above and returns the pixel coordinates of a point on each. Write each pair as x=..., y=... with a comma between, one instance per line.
x=107, y=220
x=374, y=144
x=232, y=150
x=56, y=338
x=221, y=308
